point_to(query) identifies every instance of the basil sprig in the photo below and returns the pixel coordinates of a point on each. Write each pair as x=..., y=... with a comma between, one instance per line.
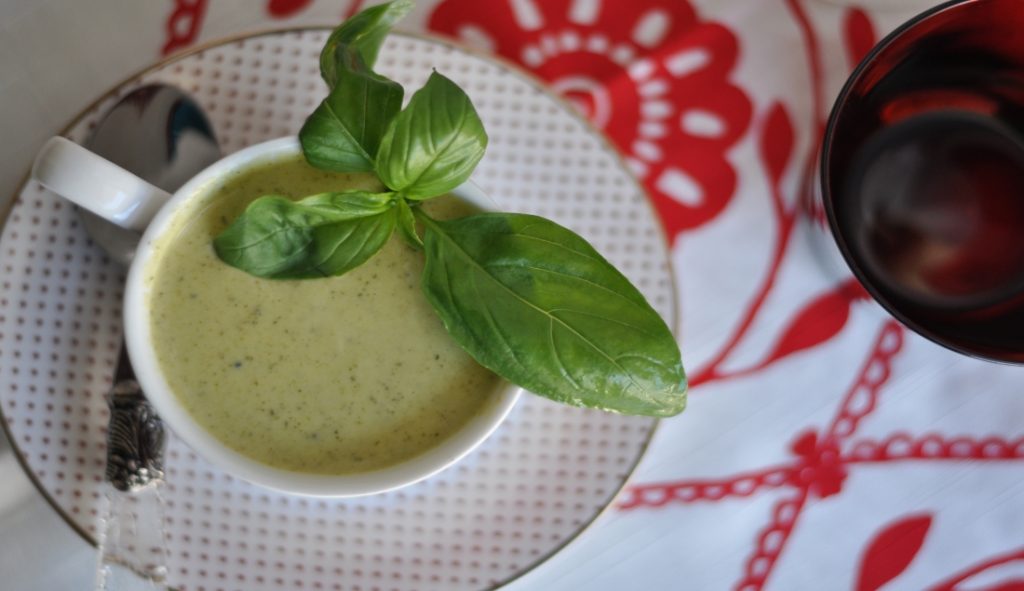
x=525, y=297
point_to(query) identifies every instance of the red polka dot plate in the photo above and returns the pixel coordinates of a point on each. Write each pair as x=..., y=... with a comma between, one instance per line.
x=542, y=478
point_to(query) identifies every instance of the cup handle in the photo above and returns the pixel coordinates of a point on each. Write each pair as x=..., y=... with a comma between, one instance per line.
x=97, y=184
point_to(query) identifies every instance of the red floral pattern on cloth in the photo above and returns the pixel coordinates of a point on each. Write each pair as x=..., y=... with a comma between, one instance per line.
x=823, y=461
x=649, y=73
x=821, y=464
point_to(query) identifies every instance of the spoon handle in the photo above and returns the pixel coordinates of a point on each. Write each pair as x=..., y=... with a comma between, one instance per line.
x=132, y=543
x=132, y=537
x=135, y=434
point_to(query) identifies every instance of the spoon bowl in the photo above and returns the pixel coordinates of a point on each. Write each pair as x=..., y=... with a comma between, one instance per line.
x=162, y=136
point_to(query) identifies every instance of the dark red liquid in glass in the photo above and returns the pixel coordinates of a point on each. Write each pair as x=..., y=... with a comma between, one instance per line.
x=924, y=180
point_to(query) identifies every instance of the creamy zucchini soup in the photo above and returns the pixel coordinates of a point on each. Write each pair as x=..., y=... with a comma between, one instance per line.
x=331, y=376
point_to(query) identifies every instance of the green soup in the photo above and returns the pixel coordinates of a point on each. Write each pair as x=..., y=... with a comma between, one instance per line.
x=329, y=376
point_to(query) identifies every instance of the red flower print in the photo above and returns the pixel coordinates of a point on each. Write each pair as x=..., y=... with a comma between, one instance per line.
x=648, y=72
x=286, y=8
x=893, y=548
x=183, y=24
x=858, y=35
x=891, y=551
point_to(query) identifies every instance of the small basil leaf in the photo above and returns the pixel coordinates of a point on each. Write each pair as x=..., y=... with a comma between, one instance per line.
x=270, y=236
x=407, y=225
x=340, y=247
x=536, y=304
x=325, y=234
x=364, y=33
x=434, y=144
x=344, y=132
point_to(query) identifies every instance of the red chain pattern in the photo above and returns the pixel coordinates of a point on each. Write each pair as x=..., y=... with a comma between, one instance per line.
x=770, y=542
x=933, y=446
x=822, y=464
x=862, y=398
x=744, y=485
x=819, y=469
x=815, y=458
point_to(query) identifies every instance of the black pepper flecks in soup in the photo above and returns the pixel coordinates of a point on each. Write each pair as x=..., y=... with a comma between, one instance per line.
x=329, y=376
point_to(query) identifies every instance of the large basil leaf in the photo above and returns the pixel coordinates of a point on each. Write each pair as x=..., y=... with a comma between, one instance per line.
x=536, y=304
x=364, y=33
x=432, y=146
x=322, y=235
x=344, y=132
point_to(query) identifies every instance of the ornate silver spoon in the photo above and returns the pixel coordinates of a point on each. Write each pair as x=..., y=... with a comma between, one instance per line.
x=160, y=134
